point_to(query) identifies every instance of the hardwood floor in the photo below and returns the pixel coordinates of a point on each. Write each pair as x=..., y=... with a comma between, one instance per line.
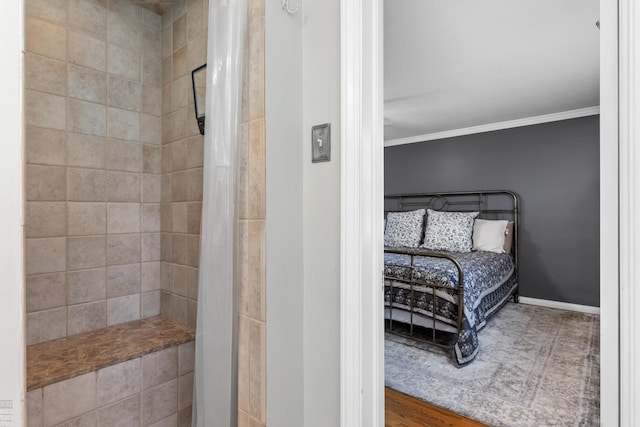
x=405, y=411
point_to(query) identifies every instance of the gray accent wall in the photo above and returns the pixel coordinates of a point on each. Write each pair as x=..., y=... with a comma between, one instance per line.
x=554, y=168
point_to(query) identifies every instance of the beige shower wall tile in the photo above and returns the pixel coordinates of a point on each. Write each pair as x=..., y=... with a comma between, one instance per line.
x=34, y=408
x=171, y=421
x=123, y=280
x=180, y=64
x=195, y=19
x=179, y=93
x=45, y=74
x=87, y=185
x=179, y=217
x=152, y=70
x=184, y=280
x=179, y=252
x=123, y=155
x=123, y=62
x=124, y=124
x=46, y=38
x=150, y=304
x=125, y=94
x=197, y=52
x=118, y=381
x=167, y=42
x=166, y=217
x=45, y=183
x=86, y=151
x=123, y=218
x=86, y=420
x=152, y=41
x=257, y=370
x=45, y=255
x=85, y=252
x=151, y=158
x=256, y=172
x=46, y=325
x=166, y=240
x=256, y=69
x=67, y=399
x=194, y=214
x=88, y=17
x=194, y=186
x=152, y=19
x=124, y=31
x=243, y=172
x=151, y=247
x=87, y=118
x=186, y=357
x=123, y=309
x=87, y=84
x=193, y=250
x=123, y=413
x=195, y=152
x=46, y=146
x=86, y=286
x=185, y=391
x=45, y=110
x=151, y=188
x=244, y=349
x=159, y=402
x=87, y=51
x=179, y=155
x=179, y=186
x=127, y=8
x=150, y=276
x=151, y=129
x=152, y=100
x=180, y=32
x=45, y=219
x=255, y=9
x=151, y=217
x=123, y=187
x=167, y=78
x=50, y=10
x=159, y=367
x=87, y=317
x=256, y=269
x=165, y=186
x=123, y=249
x=45, y=292
x=86, y=219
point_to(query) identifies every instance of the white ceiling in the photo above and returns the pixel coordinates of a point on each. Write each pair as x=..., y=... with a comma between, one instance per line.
x=452, y=64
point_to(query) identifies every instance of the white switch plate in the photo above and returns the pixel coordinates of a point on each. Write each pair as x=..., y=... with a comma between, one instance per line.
x=321, y=143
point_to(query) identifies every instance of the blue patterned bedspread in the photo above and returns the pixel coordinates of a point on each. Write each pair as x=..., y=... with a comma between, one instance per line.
x=489, y=281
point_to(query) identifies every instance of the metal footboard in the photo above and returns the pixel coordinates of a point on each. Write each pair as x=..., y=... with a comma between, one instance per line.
x=434, y=304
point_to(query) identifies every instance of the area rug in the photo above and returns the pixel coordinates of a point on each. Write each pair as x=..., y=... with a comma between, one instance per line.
x=537, y=367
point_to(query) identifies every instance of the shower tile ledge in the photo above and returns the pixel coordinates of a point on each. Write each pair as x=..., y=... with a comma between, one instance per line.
x=64, y=358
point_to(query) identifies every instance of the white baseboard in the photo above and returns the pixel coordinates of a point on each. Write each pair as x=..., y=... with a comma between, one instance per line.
x=560, y=305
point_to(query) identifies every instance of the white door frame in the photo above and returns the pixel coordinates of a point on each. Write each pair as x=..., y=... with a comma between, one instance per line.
x=362, y=337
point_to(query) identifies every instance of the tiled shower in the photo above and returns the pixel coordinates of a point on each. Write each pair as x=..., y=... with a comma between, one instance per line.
x=114, y=167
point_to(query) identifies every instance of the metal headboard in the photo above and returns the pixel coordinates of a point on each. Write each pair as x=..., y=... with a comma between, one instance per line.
x=492, y=204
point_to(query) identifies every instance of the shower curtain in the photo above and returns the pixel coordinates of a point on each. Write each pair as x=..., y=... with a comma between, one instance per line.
x=215, y=389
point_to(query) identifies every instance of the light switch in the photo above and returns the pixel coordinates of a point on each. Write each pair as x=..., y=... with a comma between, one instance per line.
x=321, y=143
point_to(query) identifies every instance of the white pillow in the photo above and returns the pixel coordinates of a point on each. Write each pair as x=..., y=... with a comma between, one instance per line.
x=449, y=231
x=404, y=228
x=489, y=235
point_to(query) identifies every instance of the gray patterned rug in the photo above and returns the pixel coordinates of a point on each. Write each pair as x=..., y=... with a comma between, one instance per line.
x=536, y=367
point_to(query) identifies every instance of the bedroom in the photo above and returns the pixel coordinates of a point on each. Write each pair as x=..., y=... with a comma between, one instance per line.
x=517, y=113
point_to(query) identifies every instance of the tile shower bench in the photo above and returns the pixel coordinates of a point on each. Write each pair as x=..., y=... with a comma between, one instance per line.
x=136, y=373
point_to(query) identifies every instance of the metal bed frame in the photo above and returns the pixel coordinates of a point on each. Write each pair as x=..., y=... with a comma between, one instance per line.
x=462, y=201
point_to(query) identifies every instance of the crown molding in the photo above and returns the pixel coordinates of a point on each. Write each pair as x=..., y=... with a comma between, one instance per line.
x=555, y=117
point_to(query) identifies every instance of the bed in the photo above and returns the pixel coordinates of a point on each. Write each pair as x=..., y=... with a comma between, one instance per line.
x=446, y=268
